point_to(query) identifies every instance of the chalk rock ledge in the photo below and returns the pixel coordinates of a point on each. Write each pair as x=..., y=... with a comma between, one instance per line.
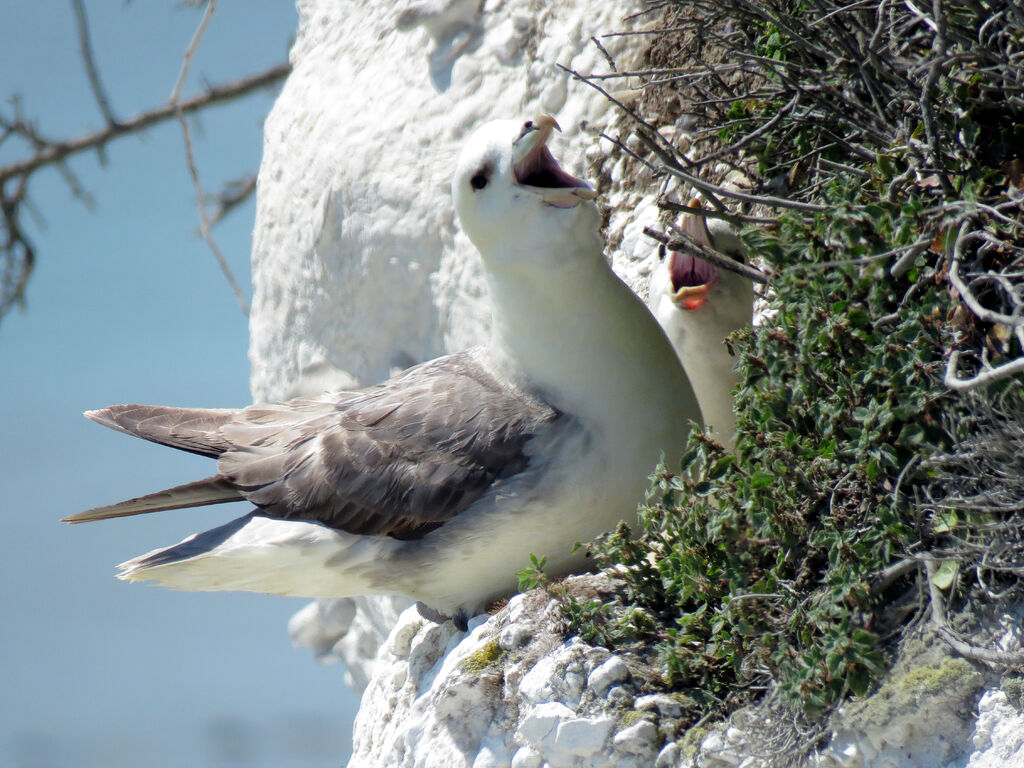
x=511, y=692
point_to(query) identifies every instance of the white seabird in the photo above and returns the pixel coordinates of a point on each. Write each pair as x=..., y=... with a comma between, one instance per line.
x=439, y=483
x=698, y=305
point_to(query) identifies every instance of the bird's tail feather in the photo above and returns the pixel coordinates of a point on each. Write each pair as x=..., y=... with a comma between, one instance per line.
x=212, y=490
x=188, y=429
x=257, y=553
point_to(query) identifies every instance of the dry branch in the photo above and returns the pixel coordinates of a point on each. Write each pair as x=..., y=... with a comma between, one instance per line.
x=190, y=159
x=54, y=151
x=683, y=242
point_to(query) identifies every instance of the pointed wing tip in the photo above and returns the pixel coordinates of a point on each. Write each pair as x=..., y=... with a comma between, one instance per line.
x=85, y=517
x=102, y=416
x=96, y=415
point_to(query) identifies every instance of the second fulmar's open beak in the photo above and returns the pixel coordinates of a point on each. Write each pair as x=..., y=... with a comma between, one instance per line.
x=535, y=168
x=692, y=277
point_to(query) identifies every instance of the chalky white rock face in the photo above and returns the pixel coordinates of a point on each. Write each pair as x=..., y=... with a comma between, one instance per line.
x=510, y=693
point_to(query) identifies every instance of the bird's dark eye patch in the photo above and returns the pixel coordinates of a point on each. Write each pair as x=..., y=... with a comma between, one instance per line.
x=480, y=178
x=528, y=125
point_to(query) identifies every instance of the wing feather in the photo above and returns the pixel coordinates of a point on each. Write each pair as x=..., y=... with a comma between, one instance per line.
x=188, y=429
x=212, y=490
x=397, y=459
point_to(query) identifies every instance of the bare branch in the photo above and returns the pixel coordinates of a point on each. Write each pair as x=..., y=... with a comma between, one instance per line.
x=911, y=248
x=733, y=218
x=204, y=223
x=84, y=44
x=186, y=62
x=232, y=195
x=981, y=312
x=604, y=51
x=986, y=377
x=765, y=200
x=217, y=94
x=962, y=647
x=683, y=242
x=762, y=129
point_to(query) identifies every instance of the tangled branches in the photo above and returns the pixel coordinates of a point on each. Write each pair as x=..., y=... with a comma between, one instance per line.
x=929, y=101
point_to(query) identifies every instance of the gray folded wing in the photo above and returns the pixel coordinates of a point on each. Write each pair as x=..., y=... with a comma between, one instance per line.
x=398, y=459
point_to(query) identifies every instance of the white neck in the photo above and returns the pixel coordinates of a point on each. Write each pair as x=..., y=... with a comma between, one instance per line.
x=697, y=336
x=587, y=344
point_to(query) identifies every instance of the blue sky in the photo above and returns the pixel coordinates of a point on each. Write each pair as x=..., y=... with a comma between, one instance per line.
x=126, y=305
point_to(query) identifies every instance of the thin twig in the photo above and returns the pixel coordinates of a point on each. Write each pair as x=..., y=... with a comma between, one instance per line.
x=602, y=49
x=231, y=196
x=85, y=46
x=986, y=377
x=204, y=223
x=759, y=131
x=765, y=200
x=186, y=59
x=683, y=242
x=965, y=649
x=732, y=218
x=862, y=260
x=216, y=94
x=654, y=131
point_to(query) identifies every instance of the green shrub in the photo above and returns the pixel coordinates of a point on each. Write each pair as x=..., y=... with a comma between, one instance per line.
x=766, y=568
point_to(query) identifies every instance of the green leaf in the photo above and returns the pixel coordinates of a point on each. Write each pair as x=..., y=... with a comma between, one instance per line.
x=945, y=574
x=969, y=130
x=858, y=680
x=704, y=488
x=945, y=521
x=722, y=466
x=912, y=435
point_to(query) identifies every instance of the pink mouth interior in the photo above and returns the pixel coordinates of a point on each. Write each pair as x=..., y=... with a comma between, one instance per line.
x=688, y=271
x=540, y=169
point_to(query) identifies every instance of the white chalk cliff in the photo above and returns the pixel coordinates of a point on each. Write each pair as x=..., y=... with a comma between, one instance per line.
x=359, y=269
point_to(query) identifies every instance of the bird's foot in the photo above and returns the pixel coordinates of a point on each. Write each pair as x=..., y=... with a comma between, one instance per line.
x=460, y=619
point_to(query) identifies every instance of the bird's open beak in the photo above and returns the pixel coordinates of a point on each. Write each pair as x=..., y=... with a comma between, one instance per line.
x=537, y=170
x=692, y=277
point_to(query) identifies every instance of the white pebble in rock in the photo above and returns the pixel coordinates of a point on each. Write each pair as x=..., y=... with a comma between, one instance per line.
x=486, y=758
x=612, y=671
x=664, y=705
x=668, y=757
x=638, y=739
x=596, y=655
x=715, y=752
x=399, y=676
x=538, y=685
x=526, y=757
x=400, y=642
x=583, y=736
x=542, y=720
x=513, y=636
x=517, y=608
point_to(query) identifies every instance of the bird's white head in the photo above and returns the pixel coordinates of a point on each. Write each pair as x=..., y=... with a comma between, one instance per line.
x=513, y=199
